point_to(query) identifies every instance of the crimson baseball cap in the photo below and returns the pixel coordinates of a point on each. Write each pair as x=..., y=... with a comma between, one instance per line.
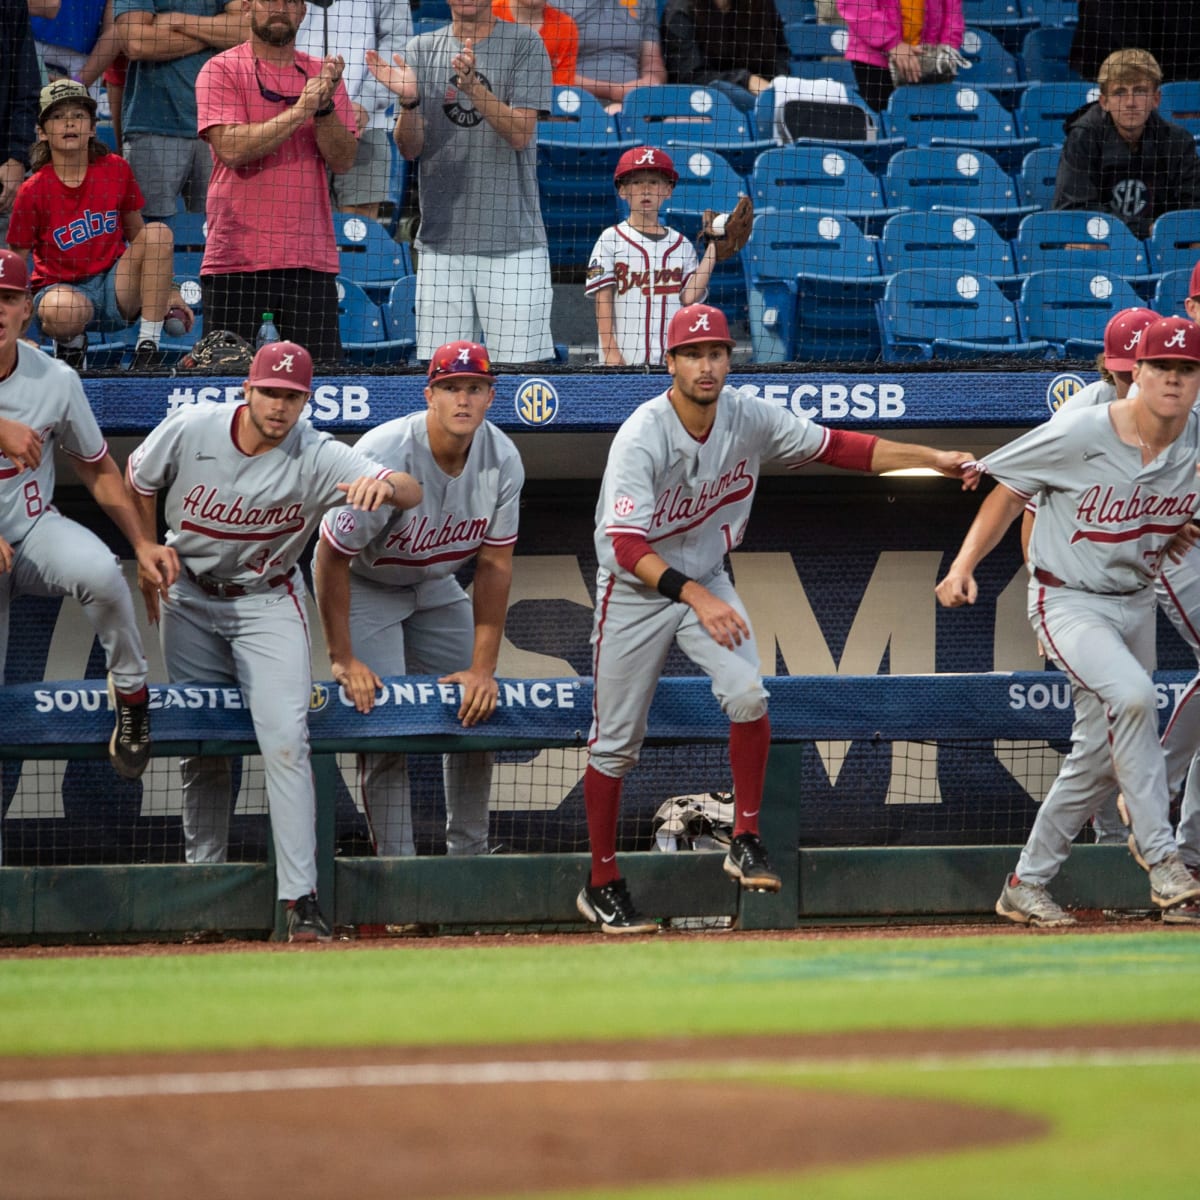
x=1194, y=282
x=460, y=358
x=13, y=274
x=1170, y=337
x=282, y=365
x=698, y=323
x=1123, y=334
x=644, y=158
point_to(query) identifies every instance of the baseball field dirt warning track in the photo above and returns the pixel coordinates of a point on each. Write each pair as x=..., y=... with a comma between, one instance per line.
x=454, y=1121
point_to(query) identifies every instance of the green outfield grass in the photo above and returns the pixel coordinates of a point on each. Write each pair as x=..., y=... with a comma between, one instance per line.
x=1119, y=1128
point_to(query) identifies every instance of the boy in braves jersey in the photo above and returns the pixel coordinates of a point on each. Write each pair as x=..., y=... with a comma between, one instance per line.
x=641, y=271
x=675, y=499
x=42, y=553
x=388, y=598
x=1117, y=491
x=245, y=486
x=96, y=263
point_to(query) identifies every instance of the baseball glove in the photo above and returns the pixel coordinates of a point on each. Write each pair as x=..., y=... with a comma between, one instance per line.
x=220, y=352
x=729, y=231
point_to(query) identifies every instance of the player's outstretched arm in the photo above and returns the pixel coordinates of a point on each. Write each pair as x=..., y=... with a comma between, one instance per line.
x=368, y=492
x=899, y=456
x=20, y=444
x=6, y=557
x=996, y=514
x=158, y=566
x=331, y=580
x=493, y=580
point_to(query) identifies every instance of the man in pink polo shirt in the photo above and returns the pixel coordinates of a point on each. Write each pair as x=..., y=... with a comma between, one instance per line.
x=276, y=119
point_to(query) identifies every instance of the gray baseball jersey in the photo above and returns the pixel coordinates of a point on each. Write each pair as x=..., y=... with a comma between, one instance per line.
x=456, y=515
x=1103, y=519
x=691, y=499
x=235, y=516
x=646, y=275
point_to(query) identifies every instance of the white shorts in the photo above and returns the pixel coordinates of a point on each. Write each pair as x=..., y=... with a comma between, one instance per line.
x=505, y=298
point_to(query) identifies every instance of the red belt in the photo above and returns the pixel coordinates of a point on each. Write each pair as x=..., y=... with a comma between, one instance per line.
x=221, y=590
x=1049, y=580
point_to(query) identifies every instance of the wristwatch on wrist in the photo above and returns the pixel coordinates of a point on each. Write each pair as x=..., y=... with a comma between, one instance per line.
x=324, y=112
x=409, y=107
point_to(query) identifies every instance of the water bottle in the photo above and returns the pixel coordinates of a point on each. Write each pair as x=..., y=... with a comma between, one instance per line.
x=267, y=331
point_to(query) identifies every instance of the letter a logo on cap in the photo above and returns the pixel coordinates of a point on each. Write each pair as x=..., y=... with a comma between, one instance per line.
x=700, y=323
x=1177, y=340
x=286, y=363
x=646, y=157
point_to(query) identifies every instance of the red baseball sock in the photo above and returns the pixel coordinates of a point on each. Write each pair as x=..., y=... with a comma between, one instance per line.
x=138, y=697
x=749, y=742
x=602, y=799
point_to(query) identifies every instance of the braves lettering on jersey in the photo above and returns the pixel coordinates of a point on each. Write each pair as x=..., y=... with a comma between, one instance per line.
x=1103, y=519
x=647, y=275
x=48, y=397
x=235, y=516
x=691, y=500
x=74, y=232
x=456, y=516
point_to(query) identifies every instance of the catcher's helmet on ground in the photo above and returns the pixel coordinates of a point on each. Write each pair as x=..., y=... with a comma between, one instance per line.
x=698, y=323
x=644, y=158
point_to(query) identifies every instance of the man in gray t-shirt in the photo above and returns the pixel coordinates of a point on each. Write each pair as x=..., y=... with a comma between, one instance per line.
x=619, y=46
x=467, y=103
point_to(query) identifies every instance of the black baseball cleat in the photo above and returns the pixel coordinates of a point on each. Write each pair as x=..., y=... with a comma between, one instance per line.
x=146, y=356
x=129, y=746
x=747, y=863
x=74, y=356
x=612, y=908
x=306, y=922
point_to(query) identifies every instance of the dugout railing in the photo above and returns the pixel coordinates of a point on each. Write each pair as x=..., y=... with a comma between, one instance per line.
x=909, y=744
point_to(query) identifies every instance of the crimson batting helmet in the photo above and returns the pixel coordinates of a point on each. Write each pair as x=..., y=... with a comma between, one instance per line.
x=644, y=158
x=698, y=323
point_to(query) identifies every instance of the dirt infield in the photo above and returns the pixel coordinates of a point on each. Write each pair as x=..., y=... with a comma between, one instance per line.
x=458, y=1121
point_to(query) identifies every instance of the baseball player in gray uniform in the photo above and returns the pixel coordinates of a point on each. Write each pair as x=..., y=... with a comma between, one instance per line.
x=245, y=487
x=675, y=499
x=388, y=598
x=42, y=553
x=1118, y=491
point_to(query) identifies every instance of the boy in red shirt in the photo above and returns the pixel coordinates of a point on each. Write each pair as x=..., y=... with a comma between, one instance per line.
x=95, y=261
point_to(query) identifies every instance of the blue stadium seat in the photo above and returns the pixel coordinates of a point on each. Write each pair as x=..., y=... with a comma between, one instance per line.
x=1171, y=293
x=1175, y=241
x=578, y=148
x=1055, y=240
x=992, y=67
x=954, y=114
x=814, y=177
x=808, y=42
x=1003, y=19
x=1181, y=104
x=1035, y=184
x=400, y=312
x=960, y=179
x=1045, y=106
x=874, y=151
x=191, y=232
x=1052, y=13
x=796, y=10
x=935, y=314
x=813, y=283
x=676, y=116
x=365, y=337
x=369, y=255
x=1071, y=308
x=956, y=241
x=1045, y=55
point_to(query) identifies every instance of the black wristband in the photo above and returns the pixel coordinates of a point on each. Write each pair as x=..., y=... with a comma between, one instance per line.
x=409, y=107
x=324, y=112
x=670, y=584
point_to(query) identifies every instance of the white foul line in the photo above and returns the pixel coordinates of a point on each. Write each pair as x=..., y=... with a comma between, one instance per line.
x=211, y=1083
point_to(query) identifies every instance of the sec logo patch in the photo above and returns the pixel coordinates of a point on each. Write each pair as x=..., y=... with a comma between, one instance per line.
x=318, y=697
x=344, y=522
x=536, y=402
x=623, y=506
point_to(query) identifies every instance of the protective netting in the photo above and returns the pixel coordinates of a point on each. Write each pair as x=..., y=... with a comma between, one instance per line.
x=975, y=180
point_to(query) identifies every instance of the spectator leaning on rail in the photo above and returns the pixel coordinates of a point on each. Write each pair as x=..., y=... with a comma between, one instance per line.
x=276, y=119
x=1120, y=156
x=96, y=263
x=167, y=42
